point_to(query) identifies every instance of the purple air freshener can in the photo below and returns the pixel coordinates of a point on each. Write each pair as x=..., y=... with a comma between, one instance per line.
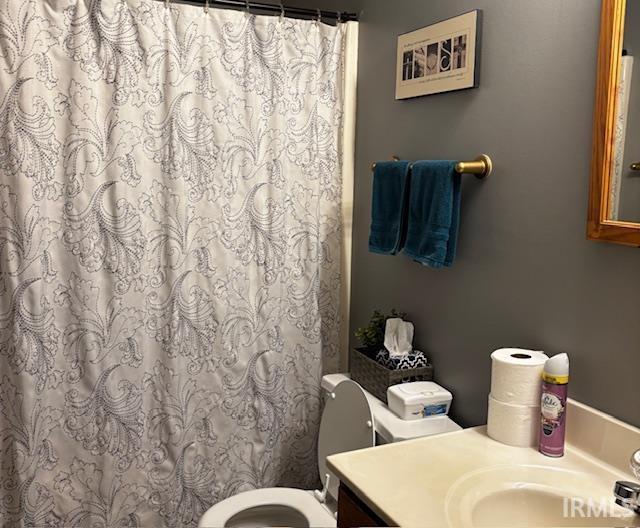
x=553, y=405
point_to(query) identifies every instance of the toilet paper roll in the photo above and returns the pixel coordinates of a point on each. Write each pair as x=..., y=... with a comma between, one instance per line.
x=514, y=425
x=516, y=375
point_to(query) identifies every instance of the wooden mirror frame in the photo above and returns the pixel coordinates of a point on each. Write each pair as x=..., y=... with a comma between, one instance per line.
x=599, y=227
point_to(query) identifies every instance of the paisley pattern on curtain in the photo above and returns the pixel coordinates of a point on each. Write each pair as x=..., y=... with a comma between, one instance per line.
x=170, y=187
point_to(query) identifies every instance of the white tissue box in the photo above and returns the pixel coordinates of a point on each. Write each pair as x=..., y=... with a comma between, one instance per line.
x=418, y=399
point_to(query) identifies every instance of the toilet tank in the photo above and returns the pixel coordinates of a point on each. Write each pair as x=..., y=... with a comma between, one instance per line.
x=388, y=426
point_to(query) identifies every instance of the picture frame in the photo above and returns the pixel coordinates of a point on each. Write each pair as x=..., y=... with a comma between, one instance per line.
x=441, y=57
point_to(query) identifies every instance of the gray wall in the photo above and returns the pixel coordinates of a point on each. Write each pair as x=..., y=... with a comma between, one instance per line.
x=525, y=274
x=630, y=185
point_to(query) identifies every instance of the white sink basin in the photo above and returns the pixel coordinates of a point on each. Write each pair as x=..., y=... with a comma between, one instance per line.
x=530, y=495
x=467, y=480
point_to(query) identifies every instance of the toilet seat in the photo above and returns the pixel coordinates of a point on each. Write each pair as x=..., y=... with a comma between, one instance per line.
x=346, y=425
x=298, y=501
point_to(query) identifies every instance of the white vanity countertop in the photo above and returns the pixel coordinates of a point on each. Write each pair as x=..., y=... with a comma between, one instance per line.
x=422, y=482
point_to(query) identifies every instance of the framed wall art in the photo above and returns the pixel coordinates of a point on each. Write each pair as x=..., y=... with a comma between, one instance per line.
x=442, y=57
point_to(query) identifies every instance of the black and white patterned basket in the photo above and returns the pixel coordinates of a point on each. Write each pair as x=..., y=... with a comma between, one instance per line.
x=376, y=378
x=414, y=359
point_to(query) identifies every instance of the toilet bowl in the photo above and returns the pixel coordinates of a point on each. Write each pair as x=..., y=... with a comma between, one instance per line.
x=269, y=507
x=352, y=419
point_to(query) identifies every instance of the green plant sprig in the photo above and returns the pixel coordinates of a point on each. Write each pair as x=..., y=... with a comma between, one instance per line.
x=372, y=335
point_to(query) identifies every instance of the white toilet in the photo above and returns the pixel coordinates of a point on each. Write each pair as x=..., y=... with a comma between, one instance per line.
x=352, y=419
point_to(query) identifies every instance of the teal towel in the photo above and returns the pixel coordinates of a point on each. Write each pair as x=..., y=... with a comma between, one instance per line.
x=434, y=213
x=388, y=208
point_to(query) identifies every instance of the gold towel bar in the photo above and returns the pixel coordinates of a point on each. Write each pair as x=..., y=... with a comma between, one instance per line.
x=482, y=166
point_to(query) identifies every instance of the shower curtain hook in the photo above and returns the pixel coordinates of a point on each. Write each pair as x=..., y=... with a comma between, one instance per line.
x=339, y=17
x=166, y=4
x=319, y=17
x=247, y=7
x=281, y=11
x=206, y=7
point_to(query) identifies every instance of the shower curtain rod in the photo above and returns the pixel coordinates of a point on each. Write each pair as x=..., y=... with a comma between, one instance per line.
x=274, y=8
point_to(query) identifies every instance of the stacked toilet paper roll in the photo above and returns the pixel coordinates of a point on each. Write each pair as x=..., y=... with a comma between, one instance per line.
x=514, y=402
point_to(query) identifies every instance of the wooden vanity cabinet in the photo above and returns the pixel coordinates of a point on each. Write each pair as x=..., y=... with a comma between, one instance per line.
x=353, y=512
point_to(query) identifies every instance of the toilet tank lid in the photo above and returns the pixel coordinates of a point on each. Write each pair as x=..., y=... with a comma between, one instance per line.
x=388, y=424
x=330, y=381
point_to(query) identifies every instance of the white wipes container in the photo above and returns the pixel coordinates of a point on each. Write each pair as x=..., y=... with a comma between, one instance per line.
x=418, y=399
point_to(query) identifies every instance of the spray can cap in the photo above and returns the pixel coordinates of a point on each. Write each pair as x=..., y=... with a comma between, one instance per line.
x=556, y=369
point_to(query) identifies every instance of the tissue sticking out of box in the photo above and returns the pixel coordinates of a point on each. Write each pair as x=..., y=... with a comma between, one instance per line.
x=398, y=337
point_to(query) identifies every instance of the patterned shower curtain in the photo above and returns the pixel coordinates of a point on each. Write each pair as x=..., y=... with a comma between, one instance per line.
x=170, y=238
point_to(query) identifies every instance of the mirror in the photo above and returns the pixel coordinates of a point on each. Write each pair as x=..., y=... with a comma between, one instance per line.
x=624, y=191
x=614, y=208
